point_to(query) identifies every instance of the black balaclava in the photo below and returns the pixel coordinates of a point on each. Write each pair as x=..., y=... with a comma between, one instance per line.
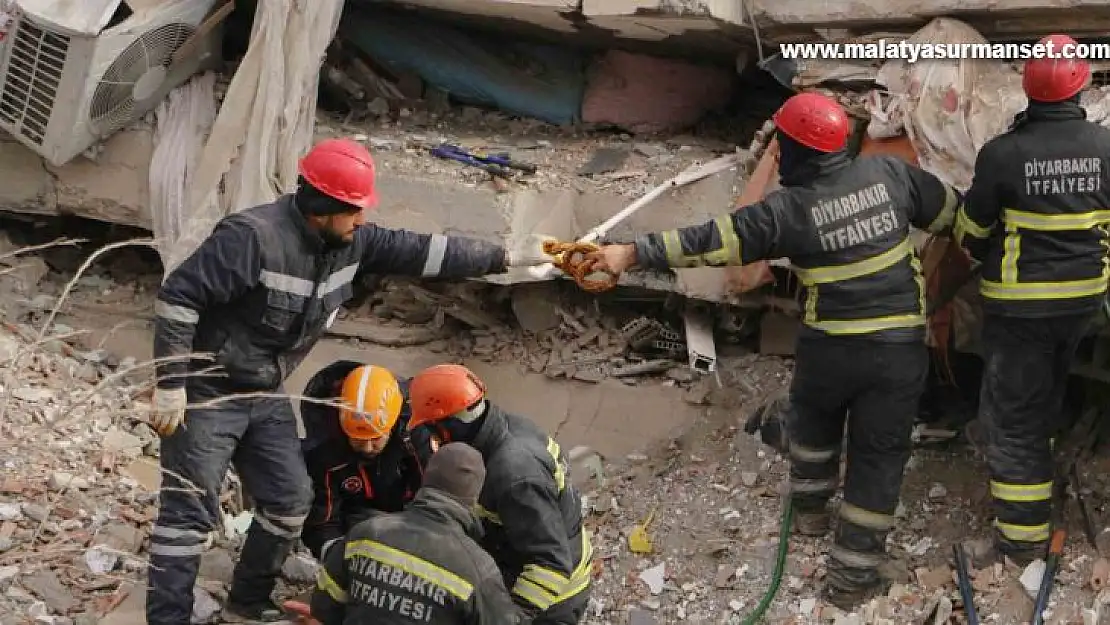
x=1047, y=111
x=799, y=164
x=464, y=426
x=311, y=201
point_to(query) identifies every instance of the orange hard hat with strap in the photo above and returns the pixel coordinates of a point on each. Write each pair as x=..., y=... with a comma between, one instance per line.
x=341, y=169
x=372, y=401
x=441, y=392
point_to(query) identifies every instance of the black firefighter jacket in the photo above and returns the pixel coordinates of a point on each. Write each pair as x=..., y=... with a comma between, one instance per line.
x=349, y=486
x=532, y=513
x=1037, y=212
x=263, y=287
x=845, y=226
x=421, y=565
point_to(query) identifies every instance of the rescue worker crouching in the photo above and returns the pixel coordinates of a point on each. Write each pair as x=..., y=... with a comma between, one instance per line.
x=531, y=510
x=361, y=457
x=861, y=358
x=420, y=565
x=256, y=295
x=1036, y=217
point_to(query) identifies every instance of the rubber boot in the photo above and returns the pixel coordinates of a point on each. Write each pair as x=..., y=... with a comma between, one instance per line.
x=985, y=552
x=813, y=524
x=853, y=577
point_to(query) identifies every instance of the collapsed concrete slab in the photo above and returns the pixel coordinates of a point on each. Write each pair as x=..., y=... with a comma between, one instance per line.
x=115, y=189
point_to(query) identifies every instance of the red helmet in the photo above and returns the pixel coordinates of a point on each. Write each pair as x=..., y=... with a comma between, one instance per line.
x=815, y=121
x=341, y=169
x=442, y=391
x=1055, y=79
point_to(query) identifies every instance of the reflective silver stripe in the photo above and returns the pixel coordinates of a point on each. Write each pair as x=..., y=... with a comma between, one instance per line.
x=172, y=533
x=175, y=551
x=171, y=312
x=288, y=521
x=328, y=545
x=866, y=518
x=437, y=248
x=286, y=283
x=855, y=559
x=338, y=280
x=808, y=454
x=813, y=486
x=272, y=528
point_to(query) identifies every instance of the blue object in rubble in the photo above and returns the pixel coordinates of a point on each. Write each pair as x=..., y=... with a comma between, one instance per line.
x=529, y=80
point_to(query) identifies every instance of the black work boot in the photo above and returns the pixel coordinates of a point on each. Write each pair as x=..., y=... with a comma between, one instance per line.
x=852, y=597
x=267, y=612
x=852, y=576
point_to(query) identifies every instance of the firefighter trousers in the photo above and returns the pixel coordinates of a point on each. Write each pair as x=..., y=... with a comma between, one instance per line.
x=258, y=435
x=874, y=389
x=1026, y=365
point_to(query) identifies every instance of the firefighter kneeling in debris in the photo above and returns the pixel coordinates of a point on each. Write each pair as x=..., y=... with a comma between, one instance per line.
x=1036, y=216
x=861, y=357
x=531, y=511
x=360, y=455
x=421, y=565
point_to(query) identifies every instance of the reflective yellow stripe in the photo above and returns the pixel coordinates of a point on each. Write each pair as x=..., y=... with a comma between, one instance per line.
x=544, y=587
x=325, y=583
x=560, y=473
x=417, y=567
x=1045, y=290
x=811, y=455
x=487, y=515
x=1024, y=533
x=1021, y=492
x=966, y=226
x=812, y=277
x=1008, y=286
x=848, y=271
x=947, y=213
x=728, y=254
x=866, y=518
x=865, y=326
x=1055, y=223
x=1011, y=250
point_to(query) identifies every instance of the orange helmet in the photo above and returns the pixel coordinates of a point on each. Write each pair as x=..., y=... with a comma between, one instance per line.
x=372, y=401
x=442, y=391
x=343, y=170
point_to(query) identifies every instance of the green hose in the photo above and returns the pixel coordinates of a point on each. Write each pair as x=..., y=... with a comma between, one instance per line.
x=780, y=565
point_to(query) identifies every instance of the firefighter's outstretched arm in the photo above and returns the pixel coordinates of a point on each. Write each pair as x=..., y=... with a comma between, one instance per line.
x=225, y=266
x=534, y=527
x=978, y=217
x=751, y=233
x=402, y=252
x=933, y=203
x=329, y=600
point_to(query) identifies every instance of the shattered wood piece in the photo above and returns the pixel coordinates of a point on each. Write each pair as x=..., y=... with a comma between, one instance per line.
x=570, y=320
x=388, y=336
x=642, y=368
x=699, y=339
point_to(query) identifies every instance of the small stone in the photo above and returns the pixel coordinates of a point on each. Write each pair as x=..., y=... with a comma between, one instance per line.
x=60, y=480
x=35, y=512
x=10, y=512
x=937, y=492
x=749, y=478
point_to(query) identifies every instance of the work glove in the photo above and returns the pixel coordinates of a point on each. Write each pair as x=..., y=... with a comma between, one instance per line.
x=301, y=611
x=168, y=410
x=527, y=251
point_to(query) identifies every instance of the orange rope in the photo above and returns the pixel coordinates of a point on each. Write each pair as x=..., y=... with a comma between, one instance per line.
x=570, y=258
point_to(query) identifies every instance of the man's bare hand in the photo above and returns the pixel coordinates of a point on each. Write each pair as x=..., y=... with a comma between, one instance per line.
x=614, y=259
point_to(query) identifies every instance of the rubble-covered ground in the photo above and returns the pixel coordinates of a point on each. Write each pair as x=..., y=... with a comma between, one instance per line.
x=80, y=476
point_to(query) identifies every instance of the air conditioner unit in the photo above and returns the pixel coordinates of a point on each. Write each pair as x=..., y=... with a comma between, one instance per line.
x=67, y=82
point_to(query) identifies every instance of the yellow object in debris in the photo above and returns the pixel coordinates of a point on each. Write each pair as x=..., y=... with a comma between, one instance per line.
x=639, y=541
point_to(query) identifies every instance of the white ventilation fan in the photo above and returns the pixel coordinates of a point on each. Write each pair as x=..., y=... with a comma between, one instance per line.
x=67, y=82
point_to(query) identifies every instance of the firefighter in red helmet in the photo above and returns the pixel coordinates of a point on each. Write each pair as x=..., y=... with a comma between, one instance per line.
x=1036, y=217
x=257, y=294
x=861, y=359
